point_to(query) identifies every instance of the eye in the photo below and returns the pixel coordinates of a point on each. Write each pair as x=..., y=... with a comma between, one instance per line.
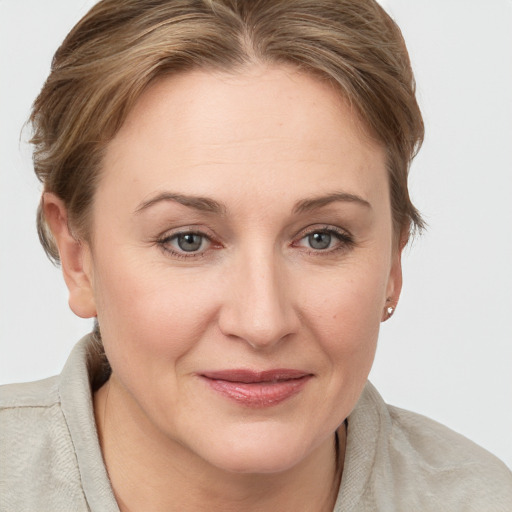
x=328, y=239
x=319, y=240
x=189, y=242
x=185, y=243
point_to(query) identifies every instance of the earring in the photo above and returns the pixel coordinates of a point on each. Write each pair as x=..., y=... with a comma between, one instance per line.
x=390, y=309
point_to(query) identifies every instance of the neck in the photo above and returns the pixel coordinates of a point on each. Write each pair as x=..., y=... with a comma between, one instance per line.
x=149, y=471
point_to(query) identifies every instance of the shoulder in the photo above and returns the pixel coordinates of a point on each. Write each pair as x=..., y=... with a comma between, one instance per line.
x=450, y=470
x=30, y=413
x=402, y=461
x=437, y=446
x=42, y=393
x=39, y=470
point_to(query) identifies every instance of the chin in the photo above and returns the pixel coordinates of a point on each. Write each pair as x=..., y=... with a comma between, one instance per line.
x=257, y=462
x=258, y=450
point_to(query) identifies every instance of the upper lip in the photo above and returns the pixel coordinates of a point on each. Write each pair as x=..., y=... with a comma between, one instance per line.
x=251, y=376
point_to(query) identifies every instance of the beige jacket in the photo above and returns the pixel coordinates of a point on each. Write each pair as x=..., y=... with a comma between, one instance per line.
x=50, y=459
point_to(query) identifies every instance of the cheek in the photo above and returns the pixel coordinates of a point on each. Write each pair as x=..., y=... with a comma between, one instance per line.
x=345, y=317
x=154, y=317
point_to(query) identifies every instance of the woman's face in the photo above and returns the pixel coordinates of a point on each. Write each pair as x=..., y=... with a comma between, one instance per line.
x=240, y=261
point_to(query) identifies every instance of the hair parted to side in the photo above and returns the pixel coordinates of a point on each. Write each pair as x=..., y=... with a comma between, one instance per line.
x=121, y=46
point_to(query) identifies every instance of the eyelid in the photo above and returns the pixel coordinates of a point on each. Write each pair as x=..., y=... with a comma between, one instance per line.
x=325, y=228
x=345, y=238
x=163, y=241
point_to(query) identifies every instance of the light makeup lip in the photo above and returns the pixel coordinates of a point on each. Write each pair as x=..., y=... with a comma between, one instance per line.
x=251, y=376
x=257, y=389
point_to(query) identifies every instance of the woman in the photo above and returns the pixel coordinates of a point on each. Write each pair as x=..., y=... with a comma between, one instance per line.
x=225, y=186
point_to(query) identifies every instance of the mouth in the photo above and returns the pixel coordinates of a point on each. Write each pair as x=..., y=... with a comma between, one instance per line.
x=257, y=389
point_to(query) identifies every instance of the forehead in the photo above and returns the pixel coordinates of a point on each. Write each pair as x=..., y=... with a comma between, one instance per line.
x=266, y=125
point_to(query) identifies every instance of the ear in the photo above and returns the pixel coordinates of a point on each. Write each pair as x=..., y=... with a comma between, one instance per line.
x=74, y=255
x=394, y=285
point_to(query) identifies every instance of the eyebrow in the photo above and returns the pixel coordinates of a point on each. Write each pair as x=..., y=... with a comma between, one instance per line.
x=203, y=204
x=307, y=205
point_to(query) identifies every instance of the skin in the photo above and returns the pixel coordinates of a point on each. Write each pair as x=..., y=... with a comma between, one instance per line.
x=281, y=156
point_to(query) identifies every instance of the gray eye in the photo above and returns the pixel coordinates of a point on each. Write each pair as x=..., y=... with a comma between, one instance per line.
x=189, y=242
x=319, y=240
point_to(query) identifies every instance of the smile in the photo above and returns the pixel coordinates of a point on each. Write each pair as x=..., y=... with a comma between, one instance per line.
x=257, y=389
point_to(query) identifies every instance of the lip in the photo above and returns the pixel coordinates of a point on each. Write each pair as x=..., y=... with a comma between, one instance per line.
x=257, y=389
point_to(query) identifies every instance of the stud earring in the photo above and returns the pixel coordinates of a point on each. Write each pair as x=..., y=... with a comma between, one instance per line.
x=389, y=310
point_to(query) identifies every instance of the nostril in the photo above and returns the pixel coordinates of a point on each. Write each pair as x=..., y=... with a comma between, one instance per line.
x=260, y=329
x=257, y=306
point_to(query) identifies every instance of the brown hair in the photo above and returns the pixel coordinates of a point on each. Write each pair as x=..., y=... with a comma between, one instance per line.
x=121, y=46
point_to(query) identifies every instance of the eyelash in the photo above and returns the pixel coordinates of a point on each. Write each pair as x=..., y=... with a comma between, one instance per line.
x=345, y=241
x=165, y=240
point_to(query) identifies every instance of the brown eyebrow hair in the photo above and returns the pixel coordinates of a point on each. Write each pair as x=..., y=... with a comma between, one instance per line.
x=208, y=205
x=204, y=204
x=317, y=202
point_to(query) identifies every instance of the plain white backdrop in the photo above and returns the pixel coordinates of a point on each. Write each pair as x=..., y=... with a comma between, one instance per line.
x=447, y=352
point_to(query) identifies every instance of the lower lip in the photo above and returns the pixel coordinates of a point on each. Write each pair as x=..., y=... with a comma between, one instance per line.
x=258, y=394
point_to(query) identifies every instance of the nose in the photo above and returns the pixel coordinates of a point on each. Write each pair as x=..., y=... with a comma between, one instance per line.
x=258, y=302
